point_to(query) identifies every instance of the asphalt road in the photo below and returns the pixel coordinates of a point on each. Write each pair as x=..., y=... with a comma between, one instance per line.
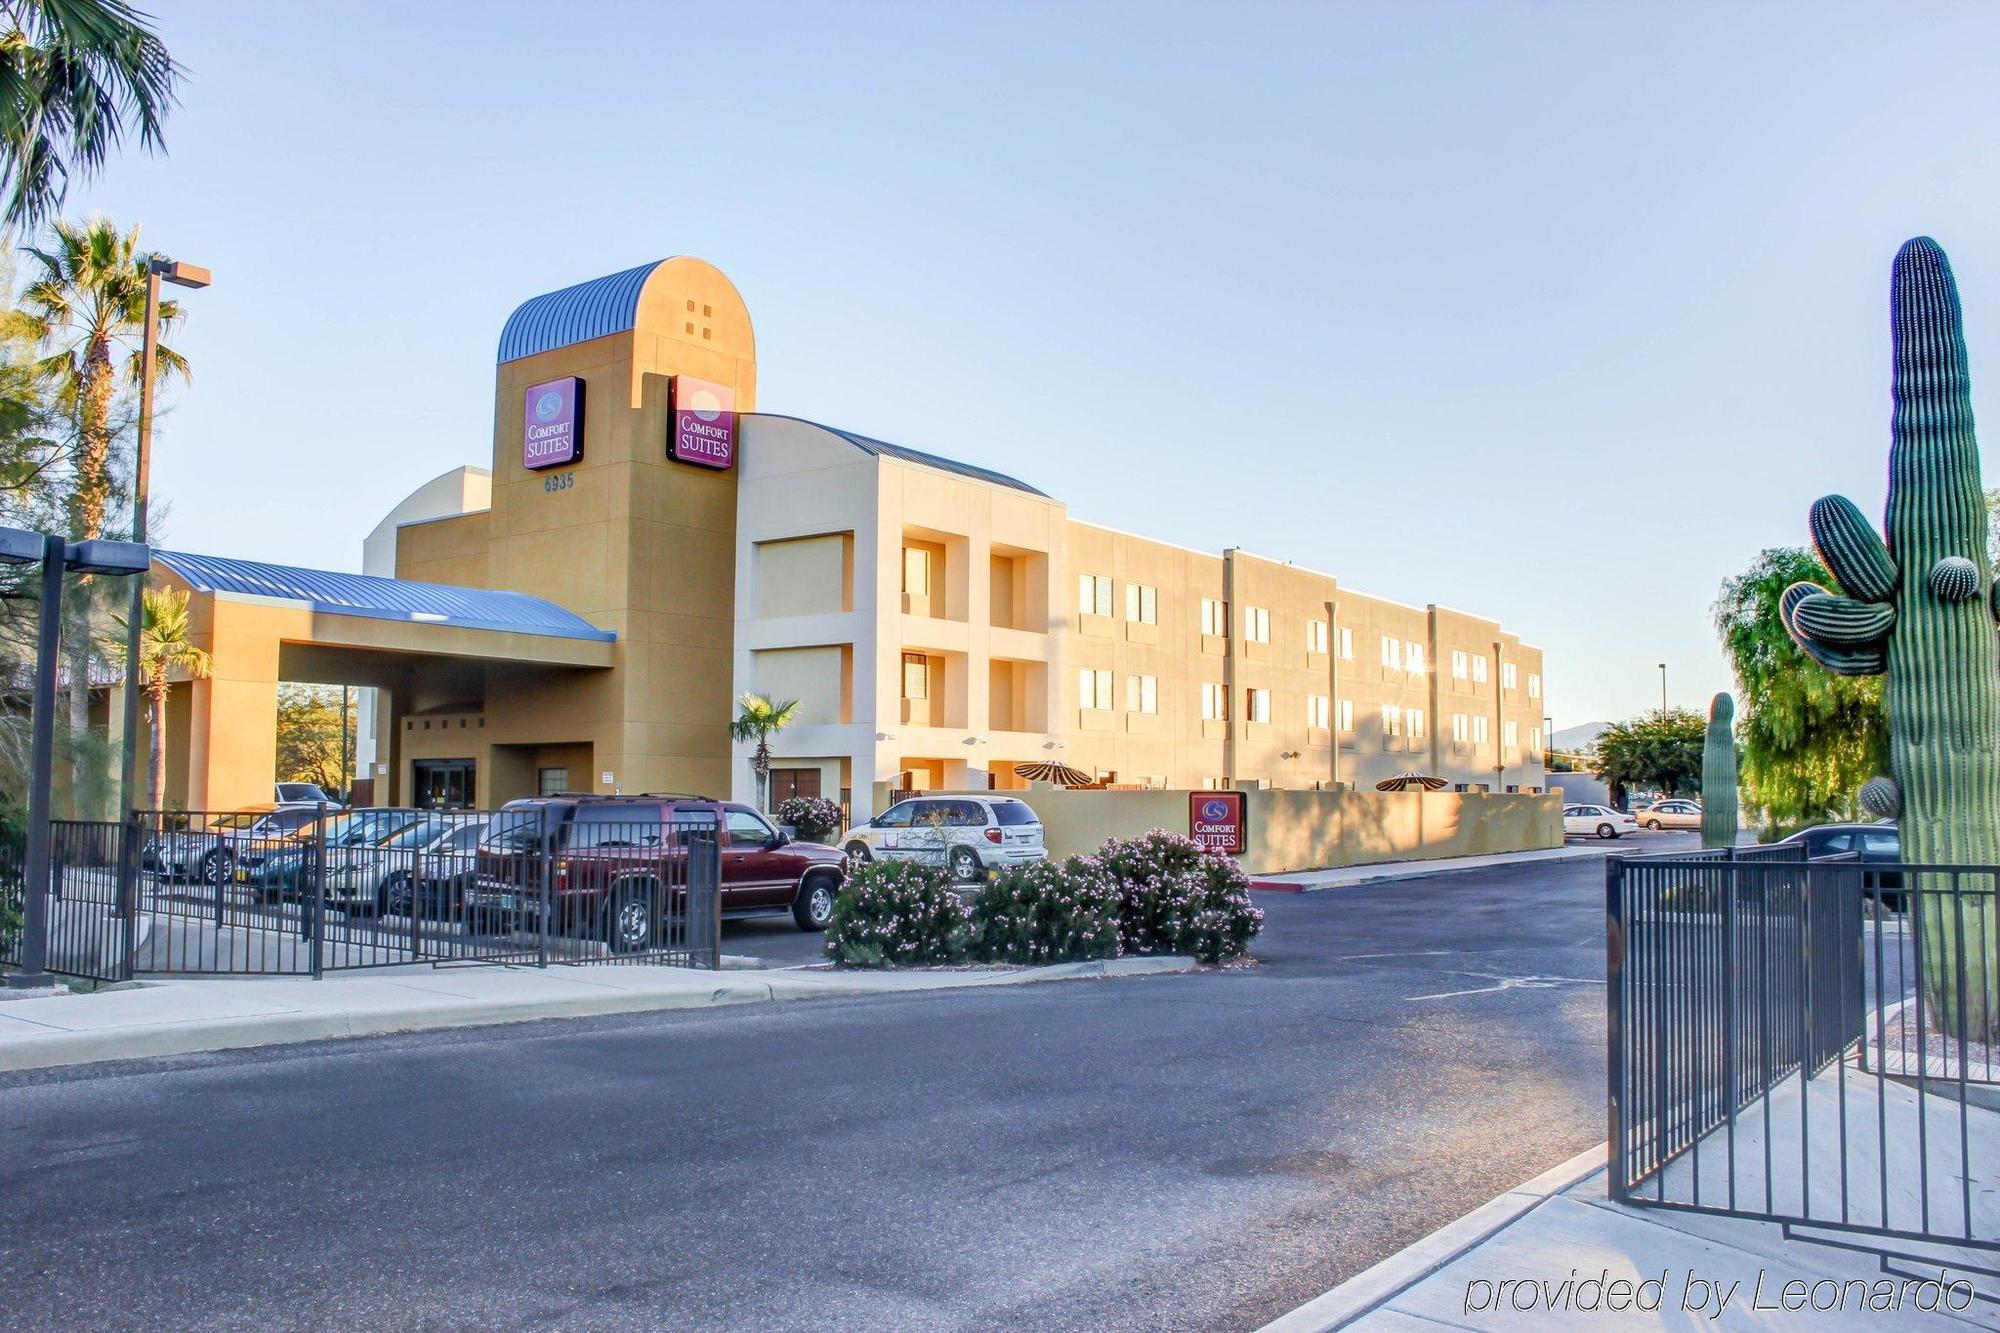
x=1171, y=1152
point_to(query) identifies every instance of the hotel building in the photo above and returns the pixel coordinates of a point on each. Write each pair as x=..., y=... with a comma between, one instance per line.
x=649, y=547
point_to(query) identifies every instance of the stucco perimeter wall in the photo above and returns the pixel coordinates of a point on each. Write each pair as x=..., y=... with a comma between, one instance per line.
x=1311, y=830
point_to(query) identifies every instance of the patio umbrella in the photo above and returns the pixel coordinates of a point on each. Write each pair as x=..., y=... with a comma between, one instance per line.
x=1054, y=770
x=1405, y=781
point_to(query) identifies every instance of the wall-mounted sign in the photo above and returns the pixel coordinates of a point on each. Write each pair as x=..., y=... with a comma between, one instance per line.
x=704, y=430
x=552, y=424
x=1215, y=820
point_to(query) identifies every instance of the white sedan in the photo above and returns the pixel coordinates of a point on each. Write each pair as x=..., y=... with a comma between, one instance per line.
x=1597, y=820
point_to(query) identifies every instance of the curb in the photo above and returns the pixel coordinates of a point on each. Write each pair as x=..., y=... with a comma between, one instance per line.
x=140, y=1041
x=1373, y=1288
x=1396, y=870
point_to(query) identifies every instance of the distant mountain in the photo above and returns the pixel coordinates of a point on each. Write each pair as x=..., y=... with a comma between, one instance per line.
x=1578, y=737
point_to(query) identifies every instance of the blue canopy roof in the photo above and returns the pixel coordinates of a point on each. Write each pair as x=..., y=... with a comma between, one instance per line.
x=384, y=599
x=575, y=314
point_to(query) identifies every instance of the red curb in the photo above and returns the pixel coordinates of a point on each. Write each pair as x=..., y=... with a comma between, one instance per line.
x=1277, y=886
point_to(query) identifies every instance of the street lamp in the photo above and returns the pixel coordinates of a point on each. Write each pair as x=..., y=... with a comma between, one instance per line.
x=181, y=275
x=1663, y=687
x=54, y=555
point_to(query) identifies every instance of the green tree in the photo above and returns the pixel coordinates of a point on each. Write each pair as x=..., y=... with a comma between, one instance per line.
x=1808, y=738
x=166, y=645
x=75, y=77
x=1660, y=750
x=758, y=719
x=85, y=306
x=309, y=735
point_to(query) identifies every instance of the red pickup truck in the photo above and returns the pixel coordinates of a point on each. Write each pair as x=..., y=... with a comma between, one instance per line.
x=614, y=862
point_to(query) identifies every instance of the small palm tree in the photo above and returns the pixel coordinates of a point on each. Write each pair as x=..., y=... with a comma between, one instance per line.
x=75, y=75
x=758, y=719
x=166, y=644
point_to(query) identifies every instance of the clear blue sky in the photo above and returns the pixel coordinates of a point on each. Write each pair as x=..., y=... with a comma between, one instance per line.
x=1559, y=312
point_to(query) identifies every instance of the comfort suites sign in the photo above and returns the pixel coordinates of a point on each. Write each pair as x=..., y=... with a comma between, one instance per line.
x=1215, y=820
x=552, y=424
x=704, y=430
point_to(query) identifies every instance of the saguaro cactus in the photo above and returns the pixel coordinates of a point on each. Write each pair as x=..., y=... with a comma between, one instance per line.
x=1914, y=610
x=1718, y=775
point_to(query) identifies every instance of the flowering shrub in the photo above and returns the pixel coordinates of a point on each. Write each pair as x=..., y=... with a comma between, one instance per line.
x=1047, y=912
x=815, y=818
x=1176, y=896
x=897, y=914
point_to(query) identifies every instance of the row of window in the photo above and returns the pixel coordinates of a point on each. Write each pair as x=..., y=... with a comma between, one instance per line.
x=1142, y=695
x=1142, y=606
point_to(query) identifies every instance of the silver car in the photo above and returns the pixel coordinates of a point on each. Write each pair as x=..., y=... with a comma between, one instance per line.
x=968, y=835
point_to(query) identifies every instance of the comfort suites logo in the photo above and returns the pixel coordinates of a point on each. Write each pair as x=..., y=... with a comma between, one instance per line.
x=704, y=431
x=1213, y=809
x=552, y=424
x=1215, y=820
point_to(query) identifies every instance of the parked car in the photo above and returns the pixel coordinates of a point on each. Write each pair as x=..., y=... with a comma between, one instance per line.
x=281, y=868
x=301, y=793
x=619, y=860
x=1677, y=812
x=1597, y=820
x=211, y=854
x=966, y=834
x=376, y=877
x=444, y=869
x=1871, y=844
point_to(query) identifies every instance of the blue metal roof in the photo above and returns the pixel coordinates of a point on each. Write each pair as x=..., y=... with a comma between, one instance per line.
x=575, y=314
x=918, y=456
x=384, y=599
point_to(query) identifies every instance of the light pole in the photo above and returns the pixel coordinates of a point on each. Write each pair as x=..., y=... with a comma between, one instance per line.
x=181, y=275
x=54, y=555
x=1663, y=687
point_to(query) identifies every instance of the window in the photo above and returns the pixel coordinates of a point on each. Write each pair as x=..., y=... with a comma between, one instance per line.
x=1316, y=711
x=1510, y=734
x=1142, y=694
x=1459, y=665
x=897, y=816
x=1535, y=739
x=1413, y=656
x=1392, y=653
x=1461, y=728
x=916, y=676
x=1214, y=618
x=747, y=833
x=1214, y=703
x=1346, y=643
x=916, y=571
x=619, y=825
x=1479, y=669
x=1093, y=594
x=1413, y=723
x=1142, y=604
x=1093, y=688
x=1507, y=678
x=549, y=781
x=1346, y=711
x=1392, y=720
x=1480, y=734
x=1256, y=624
x=1316, y=636
x=1534, y=685
x=1257, y=705
x=1012, y=814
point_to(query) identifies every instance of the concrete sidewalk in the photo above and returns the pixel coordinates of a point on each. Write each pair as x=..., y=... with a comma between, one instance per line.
x=1562, y=1246
x=1342, y=877
x=180, y=1017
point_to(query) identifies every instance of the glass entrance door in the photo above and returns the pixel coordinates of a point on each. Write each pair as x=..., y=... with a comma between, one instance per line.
x=445, y=784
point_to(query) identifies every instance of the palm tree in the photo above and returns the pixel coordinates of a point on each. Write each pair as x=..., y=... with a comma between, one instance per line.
x=85, y=306
x=75, y=76
x=166, y=644
x=758, y=719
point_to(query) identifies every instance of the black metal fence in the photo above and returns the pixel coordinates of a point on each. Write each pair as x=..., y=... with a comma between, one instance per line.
x=305, y=892
x=1797, y=1041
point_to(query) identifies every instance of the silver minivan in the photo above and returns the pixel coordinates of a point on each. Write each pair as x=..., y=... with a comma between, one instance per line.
x=969, y=835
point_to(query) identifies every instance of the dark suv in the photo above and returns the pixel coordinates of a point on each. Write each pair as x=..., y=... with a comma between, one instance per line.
x=616, y=861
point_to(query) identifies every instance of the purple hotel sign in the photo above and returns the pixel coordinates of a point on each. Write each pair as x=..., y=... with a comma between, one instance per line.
x=704, y=423
x=552, y=424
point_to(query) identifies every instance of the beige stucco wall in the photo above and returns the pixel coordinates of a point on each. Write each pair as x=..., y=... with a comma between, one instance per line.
x=1310, y=830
